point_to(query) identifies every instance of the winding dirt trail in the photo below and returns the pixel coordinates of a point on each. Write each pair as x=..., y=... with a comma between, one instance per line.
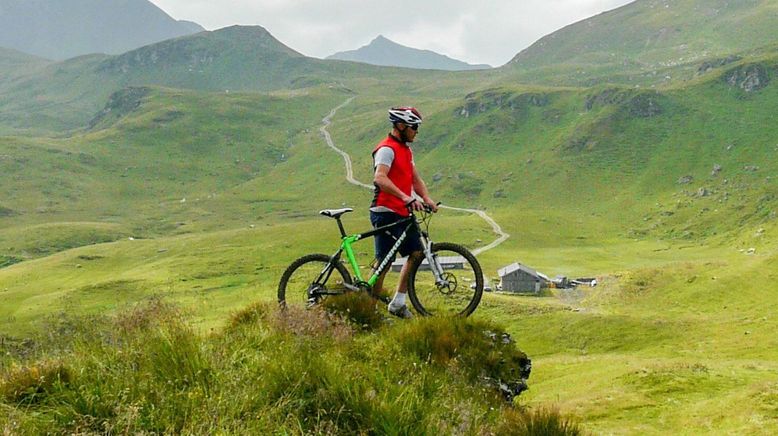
x=327, y=121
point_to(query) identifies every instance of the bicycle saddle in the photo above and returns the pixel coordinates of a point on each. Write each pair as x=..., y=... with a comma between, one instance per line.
x=335, y=213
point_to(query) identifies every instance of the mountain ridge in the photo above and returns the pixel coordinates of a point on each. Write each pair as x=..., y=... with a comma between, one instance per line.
x=651, y=34
x=385, y=52
x=69, y=28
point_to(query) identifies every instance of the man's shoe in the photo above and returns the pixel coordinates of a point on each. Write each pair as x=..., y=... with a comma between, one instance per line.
x=401, y=312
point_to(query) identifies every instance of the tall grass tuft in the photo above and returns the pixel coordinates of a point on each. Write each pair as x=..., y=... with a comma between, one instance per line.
x=293, y=371
x=541, y=422
x=358, y=308
x=31, y=384
x=480, y=349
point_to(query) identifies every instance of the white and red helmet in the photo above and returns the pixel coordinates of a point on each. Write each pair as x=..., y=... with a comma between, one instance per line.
x=407, y=115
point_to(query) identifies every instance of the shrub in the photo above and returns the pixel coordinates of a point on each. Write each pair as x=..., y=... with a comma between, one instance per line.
x=31, y=384
x=250, y=314
x=358, y=308
x=482, y=351
x=538, y=422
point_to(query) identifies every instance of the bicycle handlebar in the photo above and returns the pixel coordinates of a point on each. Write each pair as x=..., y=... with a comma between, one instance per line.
x=427, y=208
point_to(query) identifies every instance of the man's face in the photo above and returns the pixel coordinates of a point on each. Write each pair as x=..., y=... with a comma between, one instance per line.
x=410, y=132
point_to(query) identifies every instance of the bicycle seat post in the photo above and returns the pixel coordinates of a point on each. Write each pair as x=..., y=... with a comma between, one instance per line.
x=340, y=226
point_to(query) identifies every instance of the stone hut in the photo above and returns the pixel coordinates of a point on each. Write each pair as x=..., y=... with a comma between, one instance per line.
x=521, y=278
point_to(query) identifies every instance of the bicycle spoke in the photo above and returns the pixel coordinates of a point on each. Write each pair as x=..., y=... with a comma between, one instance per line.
x=303, y=283
x=460, y=292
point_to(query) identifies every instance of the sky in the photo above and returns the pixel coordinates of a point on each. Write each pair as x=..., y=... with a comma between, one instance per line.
x=475, y=31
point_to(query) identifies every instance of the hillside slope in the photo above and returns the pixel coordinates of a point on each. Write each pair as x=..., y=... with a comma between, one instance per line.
x=648, y=37
x=66, y=95
x=64, y=29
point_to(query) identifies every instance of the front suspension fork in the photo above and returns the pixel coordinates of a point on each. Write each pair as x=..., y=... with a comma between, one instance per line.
x=432, y=261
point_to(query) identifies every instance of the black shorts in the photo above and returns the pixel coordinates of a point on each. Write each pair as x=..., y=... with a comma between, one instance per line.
x=385, y=242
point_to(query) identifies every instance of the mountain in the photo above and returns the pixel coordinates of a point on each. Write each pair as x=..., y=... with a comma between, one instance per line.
x=63, y=29
x=382, y=51
x=66, y=95
x=652, y=37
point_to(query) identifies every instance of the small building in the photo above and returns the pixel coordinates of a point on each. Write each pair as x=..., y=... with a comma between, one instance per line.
x=521, y=278
x=450, y=262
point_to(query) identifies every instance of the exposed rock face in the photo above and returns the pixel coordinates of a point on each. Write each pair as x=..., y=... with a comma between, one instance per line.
x=749, y=78
x=4, y=211
x=121, y=103
x=607, y=97
x=716, y=63
x=645, y=105
x=482, y=102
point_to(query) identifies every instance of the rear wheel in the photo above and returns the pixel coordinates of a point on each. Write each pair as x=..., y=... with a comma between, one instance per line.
x=462, y=288
x=303, y=282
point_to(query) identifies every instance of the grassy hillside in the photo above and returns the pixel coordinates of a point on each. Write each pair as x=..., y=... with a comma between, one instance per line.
x=649, y=41
x=65, y=95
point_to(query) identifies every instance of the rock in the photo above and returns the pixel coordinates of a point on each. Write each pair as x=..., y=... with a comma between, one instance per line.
x=716, y=170
x=437, y=177
x=751, y=251
x=685, y=180
x=751, y=168
x=645, y=105
x=715, y=63
x=703, y=192
x=749, y=78
x=730, y=147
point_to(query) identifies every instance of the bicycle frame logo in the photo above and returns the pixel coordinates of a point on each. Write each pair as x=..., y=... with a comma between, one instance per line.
x=384, y=263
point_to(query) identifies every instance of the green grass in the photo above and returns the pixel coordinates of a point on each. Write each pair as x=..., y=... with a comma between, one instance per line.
x=298, y=372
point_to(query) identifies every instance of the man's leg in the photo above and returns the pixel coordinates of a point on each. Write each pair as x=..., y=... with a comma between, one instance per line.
x=398, y=305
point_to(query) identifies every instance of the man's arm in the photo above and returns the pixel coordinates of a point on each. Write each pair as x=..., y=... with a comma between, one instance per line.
x=381, y=179
x=421, y=189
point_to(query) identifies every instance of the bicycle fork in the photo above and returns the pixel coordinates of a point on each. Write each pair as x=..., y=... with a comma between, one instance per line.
x=432, y=261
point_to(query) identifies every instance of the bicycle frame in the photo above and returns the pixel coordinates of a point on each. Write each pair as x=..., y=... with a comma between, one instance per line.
x=348, y=241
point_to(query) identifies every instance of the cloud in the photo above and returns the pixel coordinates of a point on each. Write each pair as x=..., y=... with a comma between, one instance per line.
x=476, y=32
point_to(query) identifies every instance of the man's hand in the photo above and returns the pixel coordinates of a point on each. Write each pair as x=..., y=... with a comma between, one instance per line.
x=413, y=204
x=430, y=203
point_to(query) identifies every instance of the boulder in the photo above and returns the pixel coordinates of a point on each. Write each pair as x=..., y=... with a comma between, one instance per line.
x=749, y=78
x=685, y=180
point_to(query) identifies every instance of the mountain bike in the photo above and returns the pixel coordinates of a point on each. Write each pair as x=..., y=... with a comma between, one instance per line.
x=446, y=280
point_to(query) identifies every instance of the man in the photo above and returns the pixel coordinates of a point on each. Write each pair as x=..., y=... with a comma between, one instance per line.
x=396, y=180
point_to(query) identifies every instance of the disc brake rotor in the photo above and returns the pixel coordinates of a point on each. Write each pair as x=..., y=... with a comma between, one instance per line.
x=451, y=284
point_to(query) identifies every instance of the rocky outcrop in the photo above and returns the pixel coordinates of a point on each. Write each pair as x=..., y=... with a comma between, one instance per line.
x=4, y=212
x=716, y=63
x=645, y=105
x=607, y=97
x=749, y=78
x=481, y=102
x=121, y=103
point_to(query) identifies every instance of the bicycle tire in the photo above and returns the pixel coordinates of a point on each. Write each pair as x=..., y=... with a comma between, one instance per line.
x=302, y=281
x=428, y=299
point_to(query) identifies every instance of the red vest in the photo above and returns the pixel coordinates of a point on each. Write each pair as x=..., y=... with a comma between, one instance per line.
x=400, y=173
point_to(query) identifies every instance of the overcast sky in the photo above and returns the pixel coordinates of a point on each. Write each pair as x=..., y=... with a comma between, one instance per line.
x=474, y=31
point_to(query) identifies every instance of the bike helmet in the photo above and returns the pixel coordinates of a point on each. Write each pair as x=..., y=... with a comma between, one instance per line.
x=406, y=115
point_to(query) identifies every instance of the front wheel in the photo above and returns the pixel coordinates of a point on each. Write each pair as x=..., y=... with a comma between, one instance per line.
x=462, y=286
x=311, y=278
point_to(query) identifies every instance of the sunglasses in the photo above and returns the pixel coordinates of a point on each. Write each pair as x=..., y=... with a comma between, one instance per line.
x=414, y=127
